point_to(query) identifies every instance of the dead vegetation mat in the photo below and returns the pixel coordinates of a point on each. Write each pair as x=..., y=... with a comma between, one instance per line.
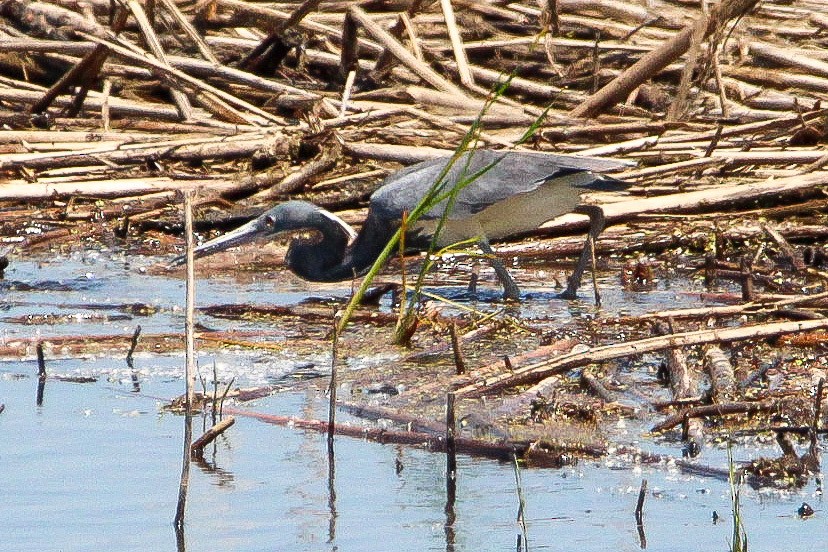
x=110, y=110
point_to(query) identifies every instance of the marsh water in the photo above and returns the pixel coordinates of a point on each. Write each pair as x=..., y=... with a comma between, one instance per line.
x=97, y=465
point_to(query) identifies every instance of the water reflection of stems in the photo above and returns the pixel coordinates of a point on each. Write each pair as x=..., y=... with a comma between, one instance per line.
x=739, y=539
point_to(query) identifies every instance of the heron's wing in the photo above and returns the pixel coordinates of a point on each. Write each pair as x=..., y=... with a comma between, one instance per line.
x=501, y=175
x=493, y=177
x=403, y=190
x=503, y=193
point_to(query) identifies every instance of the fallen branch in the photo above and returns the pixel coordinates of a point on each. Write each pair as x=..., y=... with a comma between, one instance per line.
x=536, y=372
x=656, y=60
x=197, y=448
x=723, y=409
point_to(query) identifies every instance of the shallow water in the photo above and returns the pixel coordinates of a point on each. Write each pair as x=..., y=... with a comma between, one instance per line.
x=97, y=466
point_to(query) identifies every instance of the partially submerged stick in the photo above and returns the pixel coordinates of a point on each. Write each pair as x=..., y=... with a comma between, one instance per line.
x=684, y=382
x=333, y=383
x=189, y=323
x=41, y=374
x=197, y=448
x=190, y=366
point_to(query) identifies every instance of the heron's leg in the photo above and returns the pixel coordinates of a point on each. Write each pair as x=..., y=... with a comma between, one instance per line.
x=475, y=275
x=594, y=271
x=510, y=288
x=597, y=222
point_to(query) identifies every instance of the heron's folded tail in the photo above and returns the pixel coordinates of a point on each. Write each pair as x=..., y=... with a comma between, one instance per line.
x=604, y=183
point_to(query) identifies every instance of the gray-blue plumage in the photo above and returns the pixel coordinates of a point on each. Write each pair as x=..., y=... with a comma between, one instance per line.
x=503, y=194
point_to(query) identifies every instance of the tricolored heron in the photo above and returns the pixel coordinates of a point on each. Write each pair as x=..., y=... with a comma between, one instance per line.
x=503, y=194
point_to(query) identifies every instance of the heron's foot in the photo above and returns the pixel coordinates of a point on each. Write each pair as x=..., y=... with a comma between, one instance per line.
x=511, y=293
x=472, y=289
x=572, y=285
x=571, y=292
x=568, y=294
x=510, y=288
x=373, y=296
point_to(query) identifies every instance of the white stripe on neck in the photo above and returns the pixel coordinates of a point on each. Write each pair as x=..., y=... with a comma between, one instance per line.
x=344, y=225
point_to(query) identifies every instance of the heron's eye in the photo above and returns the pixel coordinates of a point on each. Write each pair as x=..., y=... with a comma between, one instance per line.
x=270, y=220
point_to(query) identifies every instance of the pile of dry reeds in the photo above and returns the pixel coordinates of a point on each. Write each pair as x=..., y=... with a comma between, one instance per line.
x=252, y=102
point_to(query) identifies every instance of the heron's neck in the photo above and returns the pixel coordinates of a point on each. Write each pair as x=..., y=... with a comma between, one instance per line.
x=328, y=259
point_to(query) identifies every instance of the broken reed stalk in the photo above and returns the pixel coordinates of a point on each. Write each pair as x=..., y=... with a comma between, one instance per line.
x=189, y=323
x=639, y=507
x=739, y=542
x=459, y=363
x=400, y=52
x=451, y=471
x=182, y=102
x=203, y=383
x=746, y=270
x=346, y=92
x=41, y=374
x=521, y=515
x=331, y=495
x=385, y=60
x=189, y=30
x=431, y=440
x=41, y=362
x=815, y=423
x=224, y=396
x=214, y=397
x=190, y=365
x=181, y=504
x=197, y=448
x=82, y=73
x=136, y=385
x=133, y=344
x=332, y=385
x=722, y=376
x=721, y=409
x=456, y=40
x=451, y=448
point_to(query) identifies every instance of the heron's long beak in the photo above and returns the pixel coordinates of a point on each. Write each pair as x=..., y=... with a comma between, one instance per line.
x=241, y=235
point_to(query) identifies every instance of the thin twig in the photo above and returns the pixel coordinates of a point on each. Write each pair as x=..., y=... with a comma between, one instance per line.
x=189, y=323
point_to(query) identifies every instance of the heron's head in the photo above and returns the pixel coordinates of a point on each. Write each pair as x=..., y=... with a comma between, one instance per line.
x=285, y=217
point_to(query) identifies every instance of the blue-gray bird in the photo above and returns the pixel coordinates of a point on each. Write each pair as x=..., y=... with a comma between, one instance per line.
x=503, y=194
